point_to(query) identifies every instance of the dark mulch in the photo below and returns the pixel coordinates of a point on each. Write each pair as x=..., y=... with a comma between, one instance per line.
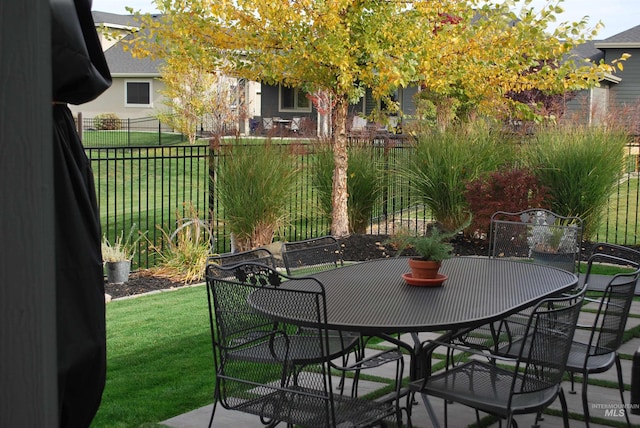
x=355, y=247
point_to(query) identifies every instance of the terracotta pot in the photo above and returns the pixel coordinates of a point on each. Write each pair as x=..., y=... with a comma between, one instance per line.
x=424, y=269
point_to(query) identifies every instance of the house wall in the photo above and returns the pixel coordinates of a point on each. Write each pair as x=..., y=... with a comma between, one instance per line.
x=628, y=90
x=406, y=98
x=113, y=101
x=269, y=101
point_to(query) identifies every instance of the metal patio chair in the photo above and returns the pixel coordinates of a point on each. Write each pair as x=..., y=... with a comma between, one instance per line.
x=265, y=367
x=296, y=123
x=537, y=234
x=259, y=255
x=311, y=255
x=597, y=350
x=529, y=385
x=316, y=255
x=267, y=124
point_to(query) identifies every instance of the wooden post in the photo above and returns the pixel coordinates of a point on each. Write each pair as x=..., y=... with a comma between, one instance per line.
x=28, y=395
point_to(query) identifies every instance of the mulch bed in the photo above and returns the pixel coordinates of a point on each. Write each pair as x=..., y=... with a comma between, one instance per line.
x=355, y=247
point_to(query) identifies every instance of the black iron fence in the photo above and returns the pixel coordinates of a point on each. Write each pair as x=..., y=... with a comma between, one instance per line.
x=110, y=131
x=152, y=188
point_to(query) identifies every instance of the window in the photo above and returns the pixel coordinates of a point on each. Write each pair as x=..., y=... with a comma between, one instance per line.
x=138, y=94
x=294, y=99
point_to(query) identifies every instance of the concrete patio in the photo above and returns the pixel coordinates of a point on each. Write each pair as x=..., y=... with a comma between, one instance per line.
x=604, y=401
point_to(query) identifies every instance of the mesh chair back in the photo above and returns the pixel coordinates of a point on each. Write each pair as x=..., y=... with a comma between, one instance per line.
x=312, y=255
x=259, y=255
x=237, y=325
x=613, y=311
x=256, y=371
x=295, y=124
x=537, y=234
x=549, y=335
x=267, y=123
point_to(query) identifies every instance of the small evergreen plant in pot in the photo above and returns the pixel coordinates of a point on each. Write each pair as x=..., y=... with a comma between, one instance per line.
x=431, y=250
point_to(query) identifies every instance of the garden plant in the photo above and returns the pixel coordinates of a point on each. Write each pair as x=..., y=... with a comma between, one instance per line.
x=445, y=161
x=580, y=167
x=365, y=181
x=254, y=185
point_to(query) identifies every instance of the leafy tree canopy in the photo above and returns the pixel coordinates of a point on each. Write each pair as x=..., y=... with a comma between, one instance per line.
x=473, y=50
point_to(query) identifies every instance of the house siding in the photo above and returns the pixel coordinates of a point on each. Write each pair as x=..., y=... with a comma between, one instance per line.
x=113, y=101
x=270, y=98
x=627, y=92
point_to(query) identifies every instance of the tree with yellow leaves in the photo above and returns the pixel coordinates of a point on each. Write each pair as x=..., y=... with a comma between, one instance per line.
x=197, y=98
x=474, y=49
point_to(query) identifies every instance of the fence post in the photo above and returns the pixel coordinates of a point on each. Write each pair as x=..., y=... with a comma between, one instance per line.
x=128, y=131
x=80, y=125
x=159, y=133
x=212, y=198
x=635, y=383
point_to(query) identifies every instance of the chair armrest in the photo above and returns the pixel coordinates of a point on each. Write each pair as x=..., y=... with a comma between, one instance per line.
x=485, y=353
x=373, y=361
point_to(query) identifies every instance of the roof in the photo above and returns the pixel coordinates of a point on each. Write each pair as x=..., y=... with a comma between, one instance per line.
x=627, y=39
x=589, y=51
x=122, y=63
x=106, y=18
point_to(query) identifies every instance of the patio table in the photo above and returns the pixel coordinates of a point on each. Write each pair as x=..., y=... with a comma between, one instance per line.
x=372, y=298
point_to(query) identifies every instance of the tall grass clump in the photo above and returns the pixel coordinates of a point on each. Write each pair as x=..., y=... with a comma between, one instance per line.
x=184, y=250
x=445, y=161
x=254, y=184
x=365, y=181
x=580, y=168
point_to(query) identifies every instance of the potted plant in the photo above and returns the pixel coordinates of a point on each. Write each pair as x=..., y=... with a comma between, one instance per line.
x=431, y=250
x=554, y=245
x=117, y=255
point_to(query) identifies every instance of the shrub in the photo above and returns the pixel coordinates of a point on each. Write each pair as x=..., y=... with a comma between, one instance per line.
x=184, y=251
x=510, y=190
x=445, y=161
x=365, y=182
x=254, y=184
x=106, y=122
x=580, y=167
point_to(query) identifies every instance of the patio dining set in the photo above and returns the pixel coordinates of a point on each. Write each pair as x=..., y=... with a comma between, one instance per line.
x=289, y=335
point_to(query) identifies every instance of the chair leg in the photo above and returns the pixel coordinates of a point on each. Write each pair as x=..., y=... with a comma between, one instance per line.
x=410, y=402
x=585, y=403
x=565, y=410
x=430, y=411
x=213, y=410
x=621, y=389
x=446, y=414
x=573, y=389
x=538, y=418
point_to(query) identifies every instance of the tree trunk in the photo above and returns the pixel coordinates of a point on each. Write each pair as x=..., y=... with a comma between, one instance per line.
x=339, y=216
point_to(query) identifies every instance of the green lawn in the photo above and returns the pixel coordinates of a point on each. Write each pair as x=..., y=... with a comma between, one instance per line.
x=620, y=223
x=159, y=358
x=129, y=138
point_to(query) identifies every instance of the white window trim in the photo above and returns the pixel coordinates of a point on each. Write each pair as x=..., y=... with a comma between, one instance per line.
x=292, y=110
x=150, y=82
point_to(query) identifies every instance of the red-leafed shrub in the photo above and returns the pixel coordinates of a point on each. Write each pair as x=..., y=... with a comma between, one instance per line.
x=509, y=190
